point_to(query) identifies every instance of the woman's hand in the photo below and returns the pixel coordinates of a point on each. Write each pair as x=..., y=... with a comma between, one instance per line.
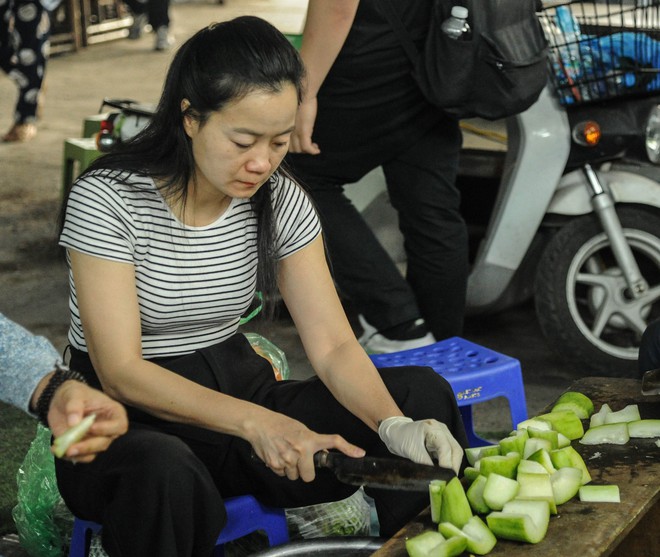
x=301, y=139
x=421, y=440
x=287, y=447
x=75, y=400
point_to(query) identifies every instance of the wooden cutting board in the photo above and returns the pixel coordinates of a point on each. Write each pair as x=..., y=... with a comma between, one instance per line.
x=627, y=529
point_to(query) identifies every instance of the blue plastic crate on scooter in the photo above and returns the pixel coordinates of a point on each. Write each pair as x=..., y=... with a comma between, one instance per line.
x=244, y=515
x=476, y=374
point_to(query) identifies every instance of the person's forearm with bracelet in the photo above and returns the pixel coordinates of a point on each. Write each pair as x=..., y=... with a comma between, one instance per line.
x=32, y=379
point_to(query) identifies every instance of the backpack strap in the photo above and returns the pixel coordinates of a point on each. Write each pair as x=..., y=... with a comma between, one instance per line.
x=389, y=11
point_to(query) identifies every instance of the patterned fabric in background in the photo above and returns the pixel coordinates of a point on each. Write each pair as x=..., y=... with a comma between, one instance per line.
x=24, y=44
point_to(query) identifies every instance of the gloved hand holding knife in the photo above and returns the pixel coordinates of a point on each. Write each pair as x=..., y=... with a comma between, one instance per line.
x=421, y=441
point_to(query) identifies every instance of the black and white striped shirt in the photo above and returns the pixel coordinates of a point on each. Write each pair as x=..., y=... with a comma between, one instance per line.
x=193, y=283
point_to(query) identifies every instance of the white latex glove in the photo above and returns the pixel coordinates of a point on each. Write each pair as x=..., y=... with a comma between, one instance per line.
x=421, y=440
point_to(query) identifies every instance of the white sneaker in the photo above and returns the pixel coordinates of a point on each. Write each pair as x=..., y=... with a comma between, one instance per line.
x=375, y=343
x=164, y=40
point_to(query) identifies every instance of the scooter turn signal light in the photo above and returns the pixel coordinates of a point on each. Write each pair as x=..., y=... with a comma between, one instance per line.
x=587, y=133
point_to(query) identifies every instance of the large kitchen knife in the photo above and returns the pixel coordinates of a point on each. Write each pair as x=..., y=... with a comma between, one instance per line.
x=381, y=473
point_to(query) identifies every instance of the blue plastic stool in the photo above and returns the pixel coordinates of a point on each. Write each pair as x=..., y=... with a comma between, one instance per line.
x=475, y=373
x=244, y=515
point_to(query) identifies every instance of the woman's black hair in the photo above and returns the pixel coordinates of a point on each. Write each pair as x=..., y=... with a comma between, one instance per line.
x=219, y=64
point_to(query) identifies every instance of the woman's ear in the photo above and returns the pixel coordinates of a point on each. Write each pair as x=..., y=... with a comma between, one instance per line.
x=188, y=121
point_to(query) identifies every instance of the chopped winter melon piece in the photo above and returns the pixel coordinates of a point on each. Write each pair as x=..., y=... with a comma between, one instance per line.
x=471, y=473
x=499, y=490
x=422, y=544
x=72, y=435
x=536, y=486
x=565, y=422
x=613, y=434
x=449, y=530
x=504, y=465
x=475, y=495
x=436, y=487
x=568, y=456
x=534, y=422
x=534, y=444
x=600, y=494
x=628, y=414
x=451, y=547
x=543, y=458
x=521, y=520
x=562, y=440
x=514, y=442
x=548, y=434
x=565, y=484
x=480, y=540
x=644, y=428
x=599, y=417
x=455, y=507
x=532, y=467
x=575, y=401
x=475, y=453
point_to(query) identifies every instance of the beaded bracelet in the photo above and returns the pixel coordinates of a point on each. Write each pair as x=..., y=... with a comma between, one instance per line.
x=62, y=374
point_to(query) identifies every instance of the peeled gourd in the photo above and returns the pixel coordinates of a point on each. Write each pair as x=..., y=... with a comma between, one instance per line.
x=521, y=520
x=72, y=435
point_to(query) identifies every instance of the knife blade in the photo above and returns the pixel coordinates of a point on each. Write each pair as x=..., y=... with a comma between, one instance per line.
x=381, y=473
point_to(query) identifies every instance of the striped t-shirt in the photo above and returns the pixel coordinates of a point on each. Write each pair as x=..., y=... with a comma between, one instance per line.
x=193, y=283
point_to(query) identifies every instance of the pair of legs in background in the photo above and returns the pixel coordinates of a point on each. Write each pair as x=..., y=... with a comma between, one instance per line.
x=157, y=14
x=24, y=35
x=421, y=183
x=158, y=493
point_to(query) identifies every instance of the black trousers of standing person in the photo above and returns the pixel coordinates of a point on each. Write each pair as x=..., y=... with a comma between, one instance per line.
x=159, y=489
x=649, y=350
x=421, y=185
x=158, y=11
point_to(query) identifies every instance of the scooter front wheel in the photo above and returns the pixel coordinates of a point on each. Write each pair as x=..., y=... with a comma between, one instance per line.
x=583, y=304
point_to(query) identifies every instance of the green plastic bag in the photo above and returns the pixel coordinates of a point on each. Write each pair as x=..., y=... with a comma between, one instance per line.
x=275, y=355
x=38, y=500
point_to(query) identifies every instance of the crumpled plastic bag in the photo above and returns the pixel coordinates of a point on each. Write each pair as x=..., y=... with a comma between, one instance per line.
x=348, y=517
x=266, y=349
x=38, y=499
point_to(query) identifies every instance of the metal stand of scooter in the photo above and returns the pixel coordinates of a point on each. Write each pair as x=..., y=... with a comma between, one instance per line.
x=603, y=205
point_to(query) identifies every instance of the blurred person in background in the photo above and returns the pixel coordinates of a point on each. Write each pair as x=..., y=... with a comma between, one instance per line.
x=24, y=46
x=156, y=13
x=362, y=109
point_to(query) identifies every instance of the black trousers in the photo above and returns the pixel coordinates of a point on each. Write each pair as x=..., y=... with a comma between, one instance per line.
x=158, y=11
x=159, y=489
x=420, y=178
x=649, y=350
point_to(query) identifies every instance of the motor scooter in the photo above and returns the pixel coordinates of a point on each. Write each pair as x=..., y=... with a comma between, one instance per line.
x=575, y=224
x=579, y=208
x=578, y=229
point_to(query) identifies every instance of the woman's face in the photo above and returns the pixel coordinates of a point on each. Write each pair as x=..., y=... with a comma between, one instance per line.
x=240, y=146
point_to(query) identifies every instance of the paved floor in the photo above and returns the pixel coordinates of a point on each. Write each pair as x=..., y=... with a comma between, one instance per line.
x=33, y=288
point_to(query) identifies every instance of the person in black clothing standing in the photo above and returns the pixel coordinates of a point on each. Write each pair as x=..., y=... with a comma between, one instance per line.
x=649, y=350
x=362, y=109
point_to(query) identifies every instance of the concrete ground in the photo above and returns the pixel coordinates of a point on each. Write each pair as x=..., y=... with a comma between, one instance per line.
x=33, y=282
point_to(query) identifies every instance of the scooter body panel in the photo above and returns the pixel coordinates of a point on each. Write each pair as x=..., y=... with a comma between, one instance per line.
x=536, y=160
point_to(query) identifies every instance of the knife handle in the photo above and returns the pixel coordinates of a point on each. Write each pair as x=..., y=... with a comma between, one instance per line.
x=322, y=459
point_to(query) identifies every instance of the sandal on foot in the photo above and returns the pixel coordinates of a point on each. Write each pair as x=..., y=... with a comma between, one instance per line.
x=20, y=132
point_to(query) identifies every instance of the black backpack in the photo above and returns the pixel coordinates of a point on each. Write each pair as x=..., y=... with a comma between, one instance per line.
x=499, y=71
